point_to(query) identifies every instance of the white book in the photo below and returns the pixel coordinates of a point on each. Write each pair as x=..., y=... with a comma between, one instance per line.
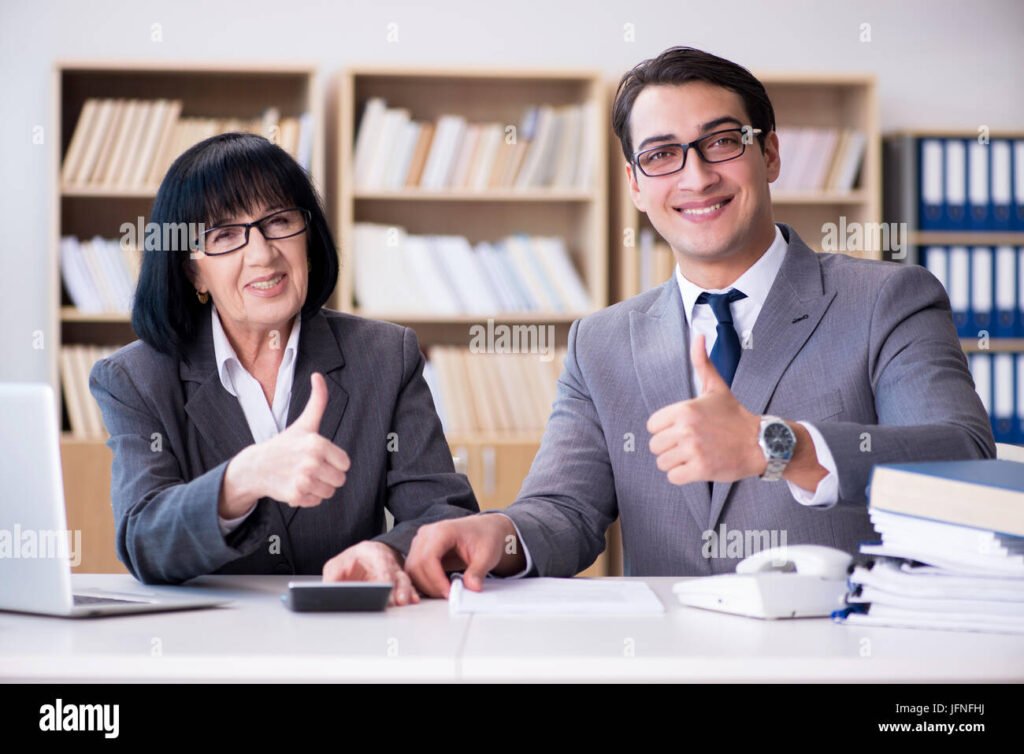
x=567, y=149
x=80, y=288
x=492, y=267
x=97, y=274
x=491, y=140
x=553, y=255
x=304, y=150
x=386, y=145
x=474, y=288
x=366, y=139
x=584, y=177
x=437, y=295
x=447, y=134
x=516, y=286
x=853, y=155
x=519, y=256
x=531, y=172
x=398, y=168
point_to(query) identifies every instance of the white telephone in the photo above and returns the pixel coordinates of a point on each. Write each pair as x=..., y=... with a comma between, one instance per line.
x=802, y=581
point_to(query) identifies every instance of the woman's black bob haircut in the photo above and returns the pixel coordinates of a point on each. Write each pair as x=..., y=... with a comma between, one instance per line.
x=219, y=178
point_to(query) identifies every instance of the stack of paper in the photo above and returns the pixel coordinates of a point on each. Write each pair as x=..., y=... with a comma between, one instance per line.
x=952, y=549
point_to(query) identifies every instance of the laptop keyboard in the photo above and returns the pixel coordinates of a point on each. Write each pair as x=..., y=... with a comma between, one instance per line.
x=85, y=599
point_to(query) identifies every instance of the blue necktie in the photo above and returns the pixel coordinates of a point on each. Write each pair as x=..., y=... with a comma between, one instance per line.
x=726, y=353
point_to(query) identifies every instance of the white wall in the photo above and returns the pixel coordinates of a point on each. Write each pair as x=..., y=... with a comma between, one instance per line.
x=939, y=63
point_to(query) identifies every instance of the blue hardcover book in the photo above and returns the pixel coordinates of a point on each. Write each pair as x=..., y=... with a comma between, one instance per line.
x=978, y=186
x=1017, y=173
x=1001, y=165
x=1004, y=402
x=960, y=290
x=984, y=494
x=956, y=184
x=982, y=303
x=930, y=159
x=1005, y=325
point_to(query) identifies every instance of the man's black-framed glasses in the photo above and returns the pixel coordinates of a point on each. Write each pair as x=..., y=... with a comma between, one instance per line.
x=720, y=146
x=284, y=223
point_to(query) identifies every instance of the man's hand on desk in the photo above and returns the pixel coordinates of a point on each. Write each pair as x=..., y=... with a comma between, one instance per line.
x=373, y=561
x=477, y=545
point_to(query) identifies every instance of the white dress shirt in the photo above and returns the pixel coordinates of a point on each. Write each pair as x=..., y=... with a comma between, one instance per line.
x=264, y=421
x=755, y=282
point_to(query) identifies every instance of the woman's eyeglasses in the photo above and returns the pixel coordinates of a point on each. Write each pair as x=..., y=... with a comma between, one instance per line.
x=223, y=239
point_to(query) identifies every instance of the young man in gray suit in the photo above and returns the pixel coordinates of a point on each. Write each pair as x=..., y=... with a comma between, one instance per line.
x=752, y=393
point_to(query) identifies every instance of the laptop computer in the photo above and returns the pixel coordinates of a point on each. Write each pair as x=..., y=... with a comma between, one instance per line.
x=36, y=549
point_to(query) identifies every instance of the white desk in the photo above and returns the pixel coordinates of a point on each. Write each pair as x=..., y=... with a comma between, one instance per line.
x=258, y=639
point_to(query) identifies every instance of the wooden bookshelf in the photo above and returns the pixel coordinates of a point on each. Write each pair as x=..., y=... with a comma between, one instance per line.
x=208, y=90
x=799, y=100
x=499, y=96
x=495, y=463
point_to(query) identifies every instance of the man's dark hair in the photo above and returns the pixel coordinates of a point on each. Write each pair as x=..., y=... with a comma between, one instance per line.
x=681, y=65
x=219, y=178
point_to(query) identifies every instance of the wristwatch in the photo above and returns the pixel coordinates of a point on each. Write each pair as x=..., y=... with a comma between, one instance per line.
x=778, y=442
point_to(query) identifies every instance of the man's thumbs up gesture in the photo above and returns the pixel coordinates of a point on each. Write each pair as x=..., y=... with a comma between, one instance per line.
x=708, y=438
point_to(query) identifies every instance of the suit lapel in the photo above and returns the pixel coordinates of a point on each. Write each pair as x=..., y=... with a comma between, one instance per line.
x=661, y=345
x=218, y=415
x=795, y=305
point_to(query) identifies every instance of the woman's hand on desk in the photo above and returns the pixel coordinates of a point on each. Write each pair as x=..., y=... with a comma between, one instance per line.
x=373, y=561
x=299, y=466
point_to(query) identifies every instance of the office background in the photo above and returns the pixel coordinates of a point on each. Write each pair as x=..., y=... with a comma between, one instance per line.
x=941, y=64
x=937, y=65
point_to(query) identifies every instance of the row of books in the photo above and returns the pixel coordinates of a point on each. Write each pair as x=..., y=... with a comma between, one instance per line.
x=395, y=271
x=495, y=392
x=951, y=555
x=985, y=287
x=76, y=361
x=552, y=147
x=100, y=274
x=128, y=144
x=967, y=184
x=646, y=264
x=999, y=382
x=819, y=159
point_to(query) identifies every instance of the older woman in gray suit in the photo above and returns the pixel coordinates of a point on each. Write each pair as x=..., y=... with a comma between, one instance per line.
x=253, y=430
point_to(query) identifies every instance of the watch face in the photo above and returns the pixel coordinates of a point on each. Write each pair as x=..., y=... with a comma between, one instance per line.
x=779, y=439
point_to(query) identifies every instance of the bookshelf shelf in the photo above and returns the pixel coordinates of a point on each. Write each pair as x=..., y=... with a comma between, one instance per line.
x=425, y=195
x=72, y=314
x=498, y=96
x=958, y=238
x=995, y=345
x=555, y=318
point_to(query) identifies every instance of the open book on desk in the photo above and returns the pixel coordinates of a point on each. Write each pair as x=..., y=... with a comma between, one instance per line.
x=551, y=596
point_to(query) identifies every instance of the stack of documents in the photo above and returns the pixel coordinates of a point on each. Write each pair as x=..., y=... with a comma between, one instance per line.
x=952, y=549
